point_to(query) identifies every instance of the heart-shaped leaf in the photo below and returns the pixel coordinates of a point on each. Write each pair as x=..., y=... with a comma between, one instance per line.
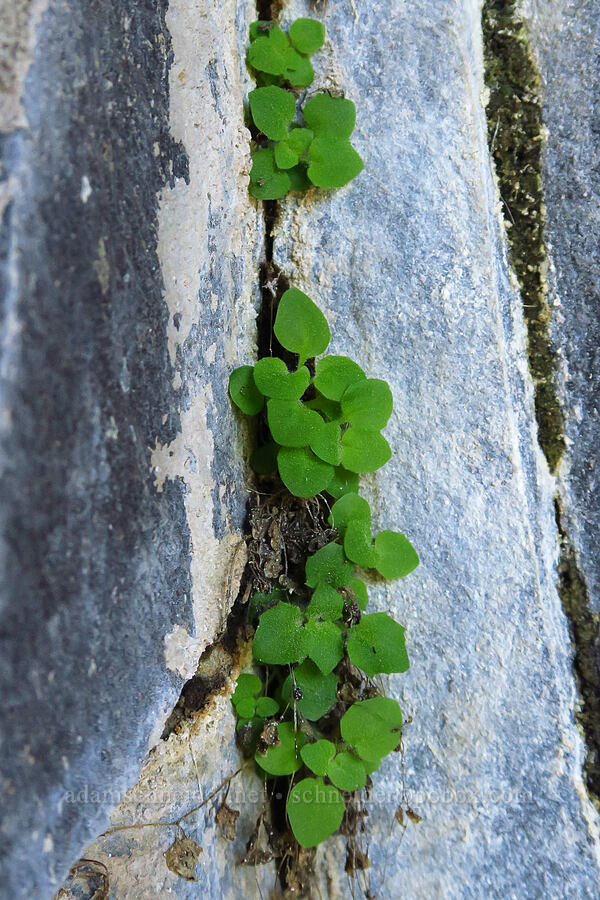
x=333, y=163
x=280, y=637
x=272, y=110
x=317, y=756
x=267, y=182
x=329, y=565
x=347, y=508
x=347, y=772
x=285, y=157
x=307, y=35
x=292, y=424
x=364, y=451
x=332, y=117
x=284, y=758
x=270, y=52
x=372, y=727
x=336, y=373
x=324, y=644
x=325, y=603
x=300, y=326
x=243, y=391
x=368, y=404
x=395, y=555
x=319, y=691
x=303, y=473
x=266, y=707
x=315, y=811
x=273, y=379
x=299, y=71
x=326, y=443
x=376, y=645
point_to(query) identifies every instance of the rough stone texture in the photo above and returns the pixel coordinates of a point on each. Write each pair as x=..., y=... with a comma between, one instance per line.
x=566, y=39
x=409, y=262
x=127, y=258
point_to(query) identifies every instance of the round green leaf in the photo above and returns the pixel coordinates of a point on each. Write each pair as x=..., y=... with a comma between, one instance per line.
x=326, y=442
x=285, y=157
x=263, y=460
x=315, y=811
x=324, y=644
x=359, y=589
x=347, y=508
x=395, y=555
x=334, y=374
x=368, y=404
x=333, y=163
x=325, y=603
x=343, y=482
x=246, y=707
x=347, y=772
x=299, y=71
x=273, y=379
x=303, y=473
x=267, y=182
x=358, y=544
x=285, y=757
x=316, y=756
x=269, y=52
x=243, y=391
x=329, y=565
x=272, y=110
x=291, y=423
x=307, y=35
x=364, y=451
x=280, y=637
x=376, y=644
x=266, y=706
x=332, y=117
x=300, y=326
x=373, y=727
x=319, y=691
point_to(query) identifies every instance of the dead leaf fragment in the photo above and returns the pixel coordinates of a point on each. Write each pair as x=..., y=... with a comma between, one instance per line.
x=182, y=856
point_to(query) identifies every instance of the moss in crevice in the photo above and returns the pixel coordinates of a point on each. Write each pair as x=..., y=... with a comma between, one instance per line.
x=515, y=132
x=585, y=633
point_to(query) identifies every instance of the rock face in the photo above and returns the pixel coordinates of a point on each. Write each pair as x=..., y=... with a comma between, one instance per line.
x=128, y=255
x=127, y=228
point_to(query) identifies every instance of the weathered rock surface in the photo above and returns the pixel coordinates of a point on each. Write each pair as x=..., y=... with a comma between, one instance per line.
x=128, y=251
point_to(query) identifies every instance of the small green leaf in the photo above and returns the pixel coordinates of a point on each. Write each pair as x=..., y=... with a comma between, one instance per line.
x=291, y=423
x=368, y=404
x=316, y=756
x=372, y=727
x=303, y=473
x=299, y=71
x=280, y=637
x=342, y=483
x=267, y=182
x=246, y=686
x=273, y=379
x=359, y=589
x=325, y=603
x=326, y=442
x=315, y=811
x=246, y=707
x=336, y=373
x=358, y=544
x=300, y=326
x=319, y=691
x=395, y=555
x=364, y=451
x=324, y=644
x=269, y=52
x=260, y=602
x=299, y=140
x=347, y=508
x=272, y=110
x=266, y=706
x=285, y=757
x=330, y=409
x=307, y=35
x=332, y=117
x=263, y=460
x=285, y=157
x=333, y=163
x=259, y=28
x=329, y=565
x=347, y=772
x=243, y=391
x=376, y=644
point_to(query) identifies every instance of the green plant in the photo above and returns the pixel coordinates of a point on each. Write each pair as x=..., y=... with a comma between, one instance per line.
x=290, y=155
x=317, y=712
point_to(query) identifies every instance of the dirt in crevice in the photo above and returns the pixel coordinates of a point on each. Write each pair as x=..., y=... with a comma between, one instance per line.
x=516, y=134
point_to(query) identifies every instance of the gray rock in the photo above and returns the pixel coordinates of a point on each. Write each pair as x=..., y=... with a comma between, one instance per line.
x=127, y=257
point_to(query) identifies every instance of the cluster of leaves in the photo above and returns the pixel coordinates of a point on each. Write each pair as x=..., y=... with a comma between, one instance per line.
x=288, y=156
x=325, y=430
